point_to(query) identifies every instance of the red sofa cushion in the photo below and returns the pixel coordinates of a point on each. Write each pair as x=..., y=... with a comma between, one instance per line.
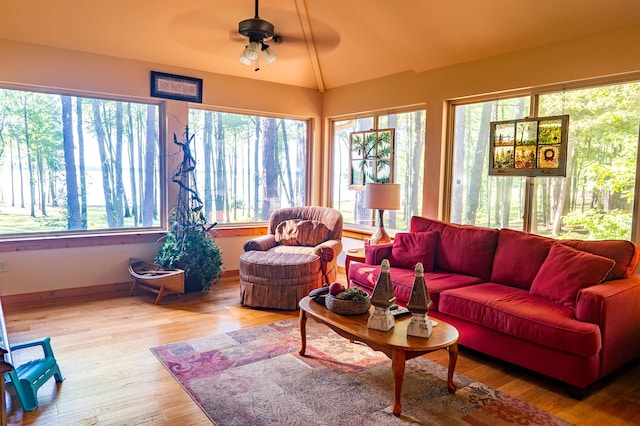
x=376, y=253
x=515, y=312
x=409, y=248
x=467, y=250
x=518, y=257
x=624, y=253
x=566, y=271
x=366, y=276
x=463, y=249
x=422, y=224
x=439, y=281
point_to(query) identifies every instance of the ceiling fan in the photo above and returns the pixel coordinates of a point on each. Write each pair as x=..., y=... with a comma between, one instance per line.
x=258, y=31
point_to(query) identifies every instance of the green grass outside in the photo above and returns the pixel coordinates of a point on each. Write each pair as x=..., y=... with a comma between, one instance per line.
x=16, y=220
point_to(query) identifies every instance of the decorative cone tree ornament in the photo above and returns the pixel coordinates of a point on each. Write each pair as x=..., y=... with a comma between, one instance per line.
x=418, y=305
x=382, y=299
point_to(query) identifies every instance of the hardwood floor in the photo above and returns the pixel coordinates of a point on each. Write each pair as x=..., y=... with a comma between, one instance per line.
x=111, y=377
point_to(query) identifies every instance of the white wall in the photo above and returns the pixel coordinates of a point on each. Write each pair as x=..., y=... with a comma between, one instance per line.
x=46, y=270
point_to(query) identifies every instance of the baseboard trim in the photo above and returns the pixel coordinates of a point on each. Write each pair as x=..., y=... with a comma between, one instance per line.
x=96, y=291
x=100, y=291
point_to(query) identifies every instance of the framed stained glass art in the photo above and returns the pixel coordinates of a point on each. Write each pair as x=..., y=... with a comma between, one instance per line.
x=371, y=157
x=529, y=147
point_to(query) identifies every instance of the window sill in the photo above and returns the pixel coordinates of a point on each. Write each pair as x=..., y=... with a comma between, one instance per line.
x=360, y=233
x=72, y=241
x=58, y=242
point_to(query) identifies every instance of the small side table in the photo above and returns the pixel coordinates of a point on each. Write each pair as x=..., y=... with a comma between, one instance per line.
x=351, y=255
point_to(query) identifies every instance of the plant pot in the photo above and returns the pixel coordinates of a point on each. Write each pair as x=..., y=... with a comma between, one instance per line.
x=192, y=284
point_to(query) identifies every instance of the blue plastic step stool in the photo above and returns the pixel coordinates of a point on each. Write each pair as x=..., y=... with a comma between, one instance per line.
x=27, y=378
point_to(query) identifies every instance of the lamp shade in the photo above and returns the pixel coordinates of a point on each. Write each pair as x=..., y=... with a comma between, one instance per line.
x=382, y=196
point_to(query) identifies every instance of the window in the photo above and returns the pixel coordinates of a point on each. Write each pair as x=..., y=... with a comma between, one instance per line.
x=476, y=197
x=248, y=166
x=72, y=165
x=594, y=201
x=409, y=130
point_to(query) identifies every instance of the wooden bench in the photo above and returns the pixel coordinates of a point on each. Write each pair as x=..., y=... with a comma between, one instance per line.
x=27, y=378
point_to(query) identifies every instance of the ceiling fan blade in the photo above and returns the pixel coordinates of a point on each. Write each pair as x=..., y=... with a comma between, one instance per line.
x=236, y=36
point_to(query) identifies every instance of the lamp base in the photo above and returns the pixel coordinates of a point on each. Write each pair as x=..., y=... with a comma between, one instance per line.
x=380, y=236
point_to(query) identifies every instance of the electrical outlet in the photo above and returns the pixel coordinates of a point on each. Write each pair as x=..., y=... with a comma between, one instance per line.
x=4, y=265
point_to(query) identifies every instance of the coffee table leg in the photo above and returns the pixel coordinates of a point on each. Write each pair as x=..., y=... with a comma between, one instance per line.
x=303, y=331
x=397, y=366
x=453, y=358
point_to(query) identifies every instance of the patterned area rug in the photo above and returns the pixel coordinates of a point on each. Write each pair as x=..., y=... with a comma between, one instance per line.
x=255, y=376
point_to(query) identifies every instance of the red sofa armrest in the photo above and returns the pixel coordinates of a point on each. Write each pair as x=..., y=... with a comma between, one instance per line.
x=599, y=303
x=615, y=307
x=374, y=254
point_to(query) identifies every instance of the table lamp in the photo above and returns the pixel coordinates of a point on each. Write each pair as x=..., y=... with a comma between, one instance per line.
x=381, y=196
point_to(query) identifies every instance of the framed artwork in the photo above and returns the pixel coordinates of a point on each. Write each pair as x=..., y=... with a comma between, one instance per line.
x=529, y=147
x=177, y=87
x=371, y=157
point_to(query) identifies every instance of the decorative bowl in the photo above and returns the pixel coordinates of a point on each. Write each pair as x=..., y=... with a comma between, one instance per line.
x=347, y=307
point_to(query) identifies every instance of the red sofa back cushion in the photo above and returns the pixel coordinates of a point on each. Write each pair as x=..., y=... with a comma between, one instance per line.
x=517, y=263
x=624, y=253
x=463, y=249
x=422, y=224
x=518, y=258
x=409, y=248
x=566, y=271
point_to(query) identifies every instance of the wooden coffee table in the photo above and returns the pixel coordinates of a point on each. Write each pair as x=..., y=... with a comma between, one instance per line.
x=394, y=343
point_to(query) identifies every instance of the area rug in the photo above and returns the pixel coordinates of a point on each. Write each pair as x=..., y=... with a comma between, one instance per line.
x=255, y=377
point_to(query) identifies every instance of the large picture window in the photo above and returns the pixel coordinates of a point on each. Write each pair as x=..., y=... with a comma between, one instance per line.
x=408, y=157
x=248, y=166
x=73, y=164
x=594, y=201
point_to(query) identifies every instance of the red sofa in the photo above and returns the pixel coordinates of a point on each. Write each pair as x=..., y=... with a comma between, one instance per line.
x=569, y=309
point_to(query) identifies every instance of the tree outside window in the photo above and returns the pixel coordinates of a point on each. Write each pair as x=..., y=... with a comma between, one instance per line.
x=594, y=201
x=248, y=166
x=77, y=164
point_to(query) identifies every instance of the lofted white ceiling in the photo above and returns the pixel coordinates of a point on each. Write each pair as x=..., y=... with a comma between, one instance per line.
x=325, y=43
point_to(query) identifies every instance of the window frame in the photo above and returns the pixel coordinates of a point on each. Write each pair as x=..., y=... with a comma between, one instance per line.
x=99, y=237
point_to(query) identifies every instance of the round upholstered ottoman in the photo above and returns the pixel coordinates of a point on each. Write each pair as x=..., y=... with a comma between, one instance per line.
x=277, y=280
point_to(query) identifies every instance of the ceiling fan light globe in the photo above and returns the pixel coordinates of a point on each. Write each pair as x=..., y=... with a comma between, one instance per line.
x=244, y=59
x=269, y=56
x=252, y=50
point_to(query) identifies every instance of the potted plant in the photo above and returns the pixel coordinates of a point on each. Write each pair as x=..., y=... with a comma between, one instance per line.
x=188, y=245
